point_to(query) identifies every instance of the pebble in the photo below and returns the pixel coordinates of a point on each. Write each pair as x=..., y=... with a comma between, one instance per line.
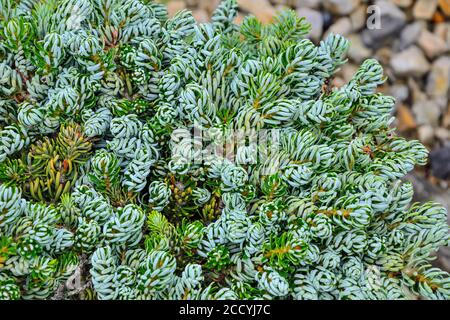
x=313, y=4
x=262, y=9
x=431, y=44
x=446, y=120
x=341, y=7
x=342, y=26
x=410, y=62
x=402, y=3
x=438, y=83
x=443, y=31
x=347, y=71
x=410, y=34
x=440, y=162
x=427, y=112
x=405, y=119
x=400, y=92
x=392, y=21
x=316, y=19
x=200, y=15
x=358, y=51
x=442, y=134
x=416, y=92
x=210, y=5
x=174, y=6
x=424, y=9
x=192, y=3
x=426, y=134
x=383, y=55
x=280, y=7
x=358, y=18
x=327, y=20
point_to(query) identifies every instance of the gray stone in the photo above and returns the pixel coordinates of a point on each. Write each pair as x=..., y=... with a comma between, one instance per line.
x=340, y=7
x=392, y=20
x=427, y=112
x=400, y=92
x=410, y=62
x=313, y=4
x=410, y=34
x=358, y=51
x=438, y=83
x=440, y=162
x=432, y=44
x=316, y=19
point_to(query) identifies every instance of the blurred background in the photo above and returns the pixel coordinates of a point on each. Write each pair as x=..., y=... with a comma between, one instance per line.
x=411, y=38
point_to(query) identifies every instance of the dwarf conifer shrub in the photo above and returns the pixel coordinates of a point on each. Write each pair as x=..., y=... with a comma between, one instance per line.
x=103, y=195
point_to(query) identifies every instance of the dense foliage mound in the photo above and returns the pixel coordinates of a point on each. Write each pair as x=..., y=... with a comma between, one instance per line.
x=104, y=194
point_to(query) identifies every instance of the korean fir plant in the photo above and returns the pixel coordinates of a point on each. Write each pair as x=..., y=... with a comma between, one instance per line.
x=102, y=193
